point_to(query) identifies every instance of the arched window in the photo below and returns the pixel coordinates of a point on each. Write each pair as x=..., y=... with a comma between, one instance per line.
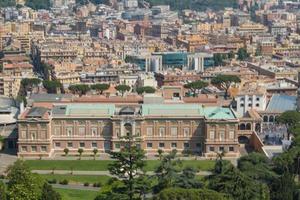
x=271, y=119
x=242, y=127
x=266, y=118
x=248, y=126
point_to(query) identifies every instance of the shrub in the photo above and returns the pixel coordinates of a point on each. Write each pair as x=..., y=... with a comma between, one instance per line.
x=64, y=182
x=97, y=184
x=86, y=184
x=53, y=181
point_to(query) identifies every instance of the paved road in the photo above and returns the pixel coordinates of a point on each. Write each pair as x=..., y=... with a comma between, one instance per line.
x=97, y=173
x=5, y=161
x=75, y=187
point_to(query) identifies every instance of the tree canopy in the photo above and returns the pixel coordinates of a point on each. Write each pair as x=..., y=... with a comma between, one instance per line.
x=225, y=82
x=80, y=89
x=128, y=165
x=242, y=54
x=100, y=87
x=52, y=86
x=196, y=85
x=194, y=194
x=38, y=4
x=122, y=88
x=146, y=89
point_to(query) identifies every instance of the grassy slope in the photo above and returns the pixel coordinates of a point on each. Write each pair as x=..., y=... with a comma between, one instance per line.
x=102, y=165
x=67, y=194
x=77, y=178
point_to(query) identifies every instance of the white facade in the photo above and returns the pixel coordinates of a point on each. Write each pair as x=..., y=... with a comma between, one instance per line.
x=147, y=79
x=246, y=102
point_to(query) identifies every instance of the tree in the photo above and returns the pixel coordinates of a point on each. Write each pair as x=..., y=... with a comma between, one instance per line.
x=187, y=179
x=49, y=194
x=2, y=191
x=167, y=171
x=51, y=86
x=258, y=167
x=218, y=59
x=242, y=54
x=231, y=55
x=80, y=151
x=28, y=84
x=80, y=89
x=192, y=194
x=95, y=151
x=194, y=86
x=146, y=89
x=233, y=182
x=128, y=165
x=100, y=87
x=290, y=119
x=225, y=82
x=38, y=4
x=22, y=184
x=7, y=3
x=160, y=153
x=123, y=88
x=66, y=151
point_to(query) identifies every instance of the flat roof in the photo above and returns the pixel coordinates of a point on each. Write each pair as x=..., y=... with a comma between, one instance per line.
x=281, y=103
x=83, y=109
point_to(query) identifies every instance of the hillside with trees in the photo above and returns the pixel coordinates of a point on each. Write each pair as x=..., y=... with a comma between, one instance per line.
x=199, y=5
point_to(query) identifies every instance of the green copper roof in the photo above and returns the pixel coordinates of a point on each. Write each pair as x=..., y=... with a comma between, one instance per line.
x=172, y=109
x=218, y=113
x=90, y=109
x=187, y=110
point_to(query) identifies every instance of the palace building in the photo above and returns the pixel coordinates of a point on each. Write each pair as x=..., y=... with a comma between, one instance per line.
x=205, y=130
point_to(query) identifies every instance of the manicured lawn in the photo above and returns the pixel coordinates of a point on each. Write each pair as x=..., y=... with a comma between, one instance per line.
x=77, y=178
x=68, y=194
x=102, y=165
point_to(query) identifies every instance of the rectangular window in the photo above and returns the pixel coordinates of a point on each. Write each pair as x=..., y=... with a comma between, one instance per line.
x=57, y=131
x=211, y=148
x=70, y=144
x=57, y=144
x=161, y=131
x=138, y=132
x=149, y=145
x=33, y=148
x=33, y=135
x=186, y=145
x=231, y=148
x=149, y=131
x=117, y=146
x=221, y=149
x=81, y=130
x=222, y=135
x=231, y=135
x=94, y=145
x=94, y=131
x=161, y=145
x=173, y=145
x=24, y=134
x=24, y=149
x=186, y=132
x=69, y=132
x=211, y=135
x=118, y=132
x=82, y=144
x=43, y=148
x=174, y=131
x=43, y=135
x=198, y=145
